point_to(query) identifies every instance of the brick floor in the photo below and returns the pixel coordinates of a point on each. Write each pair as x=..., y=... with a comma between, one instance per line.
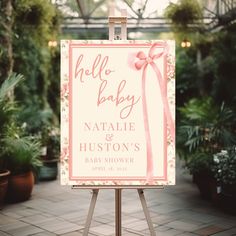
x=59, y=210
x=209, y=230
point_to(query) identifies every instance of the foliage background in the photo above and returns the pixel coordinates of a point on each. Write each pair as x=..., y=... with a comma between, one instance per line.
x=30, y=25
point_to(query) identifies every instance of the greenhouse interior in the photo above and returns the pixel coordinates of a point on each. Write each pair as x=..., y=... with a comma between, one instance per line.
x=47, y=186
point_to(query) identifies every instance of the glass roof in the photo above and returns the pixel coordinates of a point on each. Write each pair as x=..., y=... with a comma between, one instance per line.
x=143, y=15
x=99, y=8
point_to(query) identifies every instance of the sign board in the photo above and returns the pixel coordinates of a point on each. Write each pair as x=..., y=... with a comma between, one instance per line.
x=117, y=113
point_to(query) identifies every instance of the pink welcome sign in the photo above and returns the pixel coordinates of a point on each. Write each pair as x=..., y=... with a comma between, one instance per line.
x=117, y=112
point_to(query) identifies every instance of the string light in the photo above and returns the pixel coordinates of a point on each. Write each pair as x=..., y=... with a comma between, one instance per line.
x=52, y=43
x=185, y=43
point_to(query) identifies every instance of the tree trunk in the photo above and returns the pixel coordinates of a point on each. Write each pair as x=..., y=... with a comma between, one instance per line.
x=6, y=55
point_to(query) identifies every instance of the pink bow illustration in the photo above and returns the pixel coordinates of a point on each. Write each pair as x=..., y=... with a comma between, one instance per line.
x=141, y=61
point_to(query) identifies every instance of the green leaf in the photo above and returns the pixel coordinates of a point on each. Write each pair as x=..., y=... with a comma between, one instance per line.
x=9, y=84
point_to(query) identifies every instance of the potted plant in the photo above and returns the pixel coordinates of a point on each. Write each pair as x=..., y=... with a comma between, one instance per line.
x=204, y=129
x=39, y=122
x=4, y=174
x=224, y=170
x=7, y=109
x=200, y=167
x=49, y=169
x=23, y=159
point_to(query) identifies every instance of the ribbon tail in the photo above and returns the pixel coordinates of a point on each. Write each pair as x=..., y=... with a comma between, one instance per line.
x=147, y=130
x=166, y=106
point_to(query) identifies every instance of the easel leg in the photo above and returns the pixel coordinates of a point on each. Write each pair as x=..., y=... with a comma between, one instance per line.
x=90, y=212
x=118, y=211
x=146, y=212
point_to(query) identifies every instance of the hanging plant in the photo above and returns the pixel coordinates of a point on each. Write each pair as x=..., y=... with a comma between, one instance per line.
x=184, y=13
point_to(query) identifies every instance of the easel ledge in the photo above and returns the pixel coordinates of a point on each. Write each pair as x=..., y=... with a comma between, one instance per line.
x=117, y=187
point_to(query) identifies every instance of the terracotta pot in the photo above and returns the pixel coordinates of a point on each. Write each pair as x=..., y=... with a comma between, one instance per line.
x=4, y=174
x=20, y=187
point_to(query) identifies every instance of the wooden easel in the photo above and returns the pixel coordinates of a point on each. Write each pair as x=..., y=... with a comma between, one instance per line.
x=118, y=203
x=122, y=21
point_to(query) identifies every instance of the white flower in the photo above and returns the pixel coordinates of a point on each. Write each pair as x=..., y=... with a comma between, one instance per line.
x=224, y=151
x=216, y=159
x=24, y=125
